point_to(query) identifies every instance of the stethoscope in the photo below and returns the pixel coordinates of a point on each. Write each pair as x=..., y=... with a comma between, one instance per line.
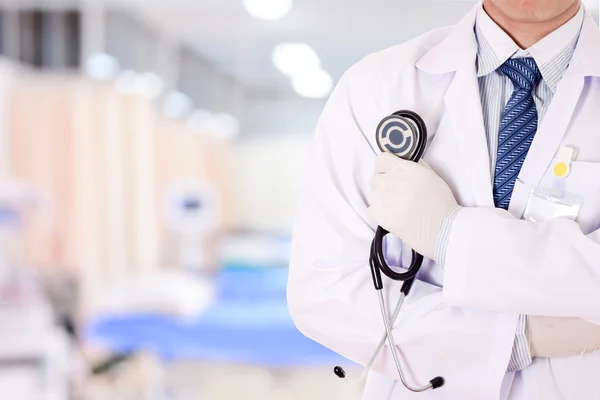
x=404, y=134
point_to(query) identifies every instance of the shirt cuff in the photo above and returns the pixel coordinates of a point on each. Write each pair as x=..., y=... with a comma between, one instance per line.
x=444, y=236
x=521, y=355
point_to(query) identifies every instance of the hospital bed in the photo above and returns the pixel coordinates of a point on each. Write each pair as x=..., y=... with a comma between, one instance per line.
x=245, y=343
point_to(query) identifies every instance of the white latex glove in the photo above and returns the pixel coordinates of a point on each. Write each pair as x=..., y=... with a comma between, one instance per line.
x=409, y=200
x=551, y=337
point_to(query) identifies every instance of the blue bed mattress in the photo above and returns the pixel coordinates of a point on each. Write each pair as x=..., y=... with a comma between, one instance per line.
x=248, y=323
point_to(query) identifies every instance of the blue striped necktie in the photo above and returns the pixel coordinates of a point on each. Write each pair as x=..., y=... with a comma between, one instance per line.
x=517, y=127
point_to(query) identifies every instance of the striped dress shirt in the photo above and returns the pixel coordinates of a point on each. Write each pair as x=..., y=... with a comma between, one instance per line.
x=552, y=55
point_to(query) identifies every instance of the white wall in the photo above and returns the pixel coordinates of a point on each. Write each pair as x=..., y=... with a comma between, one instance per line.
x=7, y=76
x=268, y=172
x=281, y=116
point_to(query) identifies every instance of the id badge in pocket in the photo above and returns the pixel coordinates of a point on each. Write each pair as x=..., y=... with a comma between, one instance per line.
x=554, y=201
x=546, y=202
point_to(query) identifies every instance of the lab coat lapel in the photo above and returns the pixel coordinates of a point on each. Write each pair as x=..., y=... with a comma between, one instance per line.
x=457, y=54
x=463, y=104
x=585, y=62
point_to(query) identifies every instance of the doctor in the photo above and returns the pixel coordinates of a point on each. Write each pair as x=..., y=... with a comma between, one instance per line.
x=505, y=307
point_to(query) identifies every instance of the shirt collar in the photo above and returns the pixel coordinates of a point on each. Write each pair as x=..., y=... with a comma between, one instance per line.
x=552, y=53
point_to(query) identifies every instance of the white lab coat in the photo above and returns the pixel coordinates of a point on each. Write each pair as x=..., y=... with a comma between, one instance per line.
x=458, y=322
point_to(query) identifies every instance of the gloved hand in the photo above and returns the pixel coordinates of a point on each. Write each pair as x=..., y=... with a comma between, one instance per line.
x=551, y=337
x=409, y=200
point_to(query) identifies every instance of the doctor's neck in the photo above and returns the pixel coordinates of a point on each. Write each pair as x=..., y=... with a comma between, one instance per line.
x=528, y=21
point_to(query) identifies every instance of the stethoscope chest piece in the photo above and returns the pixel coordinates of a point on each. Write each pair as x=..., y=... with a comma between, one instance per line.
x=402, y=134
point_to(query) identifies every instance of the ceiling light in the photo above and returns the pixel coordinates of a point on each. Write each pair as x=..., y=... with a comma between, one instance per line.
x=102, y=66
x=177, y=104
x=150, y=85
x=314, y=85
x=126, y=82
x=295, y=59
x=268, y=9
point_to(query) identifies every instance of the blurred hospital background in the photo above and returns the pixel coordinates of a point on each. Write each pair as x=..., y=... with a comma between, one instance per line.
x=151, y=154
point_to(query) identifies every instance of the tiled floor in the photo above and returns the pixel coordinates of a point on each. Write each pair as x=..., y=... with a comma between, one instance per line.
x=144, y=378
x=217, y=382
x=197, y=381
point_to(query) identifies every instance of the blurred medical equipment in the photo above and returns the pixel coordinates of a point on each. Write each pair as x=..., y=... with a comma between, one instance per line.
x=34, y=351
x=192, y=211
x=252, y=249
x=404, y=134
